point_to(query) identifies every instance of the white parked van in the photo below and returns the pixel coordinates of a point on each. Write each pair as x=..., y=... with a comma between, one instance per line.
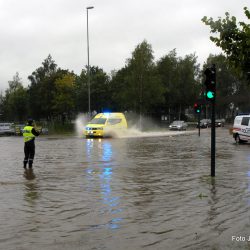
x=241, y=128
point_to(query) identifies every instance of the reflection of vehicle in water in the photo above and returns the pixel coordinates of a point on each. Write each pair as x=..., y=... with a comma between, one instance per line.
x=106, y=125
x=241, y=128
x=178, y=125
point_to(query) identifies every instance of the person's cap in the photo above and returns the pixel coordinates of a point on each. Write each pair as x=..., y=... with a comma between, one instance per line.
x=30, y=121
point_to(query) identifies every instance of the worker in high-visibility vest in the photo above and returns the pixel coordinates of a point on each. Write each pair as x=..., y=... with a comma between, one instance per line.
x=29, y=134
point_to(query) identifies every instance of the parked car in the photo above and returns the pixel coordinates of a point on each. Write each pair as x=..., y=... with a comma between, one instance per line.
x=7, y=128
x=219, y=123
x=204, y=123
x=178, y=125
x=44, y=131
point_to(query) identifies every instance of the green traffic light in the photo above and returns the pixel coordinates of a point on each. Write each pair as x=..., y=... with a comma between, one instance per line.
x=198, y=111
x=210, y=95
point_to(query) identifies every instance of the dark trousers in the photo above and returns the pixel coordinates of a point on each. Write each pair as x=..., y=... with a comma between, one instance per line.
x=29, y=153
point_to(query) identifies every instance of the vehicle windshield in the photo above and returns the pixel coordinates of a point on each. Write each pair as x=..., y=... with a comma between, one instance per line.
x=113, y=121
x=98, y=121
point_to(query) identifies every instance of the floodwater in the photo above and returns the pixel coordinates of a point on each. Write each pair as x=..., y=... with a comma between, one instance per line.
x=142, y=191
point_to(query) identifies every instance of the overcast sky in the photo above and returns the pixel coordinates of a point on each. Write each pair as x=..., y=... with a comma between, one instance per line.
x=32, y=29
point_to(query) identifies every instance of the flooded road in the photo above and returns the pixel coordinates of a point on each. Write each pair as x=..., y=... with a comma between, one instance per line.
x=144, y=191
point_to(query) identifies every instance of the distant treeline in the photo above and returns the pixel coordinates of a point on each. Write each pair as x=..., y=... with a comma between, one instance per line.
x=168, y=86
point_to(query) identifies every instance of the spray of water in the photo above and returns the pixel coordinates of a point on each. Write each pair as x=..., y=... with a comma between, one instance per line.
x=144, y=127
x=80, y=123
x=135, y=132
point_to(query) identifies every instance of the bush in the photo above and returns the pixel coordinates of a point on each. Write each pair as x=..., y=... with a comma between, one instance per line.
x=59, y=128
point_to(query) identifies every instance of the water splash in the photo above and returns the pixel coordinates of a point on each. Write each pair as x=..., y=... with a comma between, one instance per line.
x=146, y=127
x=136, y=132
x=80, y=123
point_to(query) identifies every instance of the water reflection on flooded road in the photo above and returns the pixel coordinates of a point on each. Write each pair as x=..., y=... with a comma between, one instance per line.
x=143, y=191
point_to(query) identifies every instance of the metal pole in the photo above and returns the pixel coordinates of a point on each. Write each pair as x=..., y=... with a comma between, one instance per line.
x=213, y=131
x=88, y=72
x=199, y=123
x=213, y=140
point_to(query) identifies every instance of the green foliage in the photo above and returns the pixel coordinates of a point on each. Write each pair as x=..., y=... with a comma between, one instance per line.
x=137, y=87
x=59, y=128
x=233, y=39
x=42, y=89
x=99, y=89
x=180, y=79
x=118, y=90
x=81, y=92
x=63, y=102
x=14, y=104
x=231, y=92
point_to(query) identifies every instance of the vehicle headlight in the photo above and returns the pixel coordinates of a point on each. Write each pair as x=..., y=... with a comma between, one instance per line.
x=87, y=128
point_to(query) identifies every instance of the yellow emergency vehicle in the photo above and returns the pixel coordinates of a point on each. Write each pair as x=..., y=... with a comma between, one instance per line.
x=106, y=125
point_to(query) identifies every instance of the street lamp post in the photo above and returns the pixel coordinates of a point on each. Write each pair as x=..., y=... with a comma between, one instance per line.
x=88, y=73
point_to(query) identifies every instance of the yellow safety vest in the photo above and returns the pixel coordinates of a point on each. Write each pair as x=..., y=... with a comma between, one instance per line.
x=27, y=134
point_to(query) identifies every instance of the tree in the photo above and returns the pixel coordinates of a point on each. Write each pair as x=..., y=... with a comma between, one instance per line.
x=42, y=89
x=15, y=101
x=180, y=79
x=100, y=97
x=118, y=89
x=187, y=80
x=234, y=40
x=81, y=92
x=227, y=84
x=138, y=86
x=99, y=89
x=64, y=101
x=1, y=106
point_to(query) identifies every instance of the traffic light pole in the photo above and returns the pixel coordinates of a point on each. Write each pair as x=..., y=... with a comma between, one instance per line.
x=213, y=125
x=199, y=124
x=213, y=139
x=210, y=83
x=197, y=110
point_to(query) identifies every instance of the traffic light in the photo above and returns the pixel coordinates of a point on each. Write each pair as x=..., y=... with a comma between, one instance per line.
x=210, y=83
x=197, y=108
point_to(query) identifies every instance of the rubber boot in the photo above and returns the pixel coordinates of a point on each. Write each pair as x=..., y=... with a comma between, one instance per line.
x=30, y=163
x=25, y=164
